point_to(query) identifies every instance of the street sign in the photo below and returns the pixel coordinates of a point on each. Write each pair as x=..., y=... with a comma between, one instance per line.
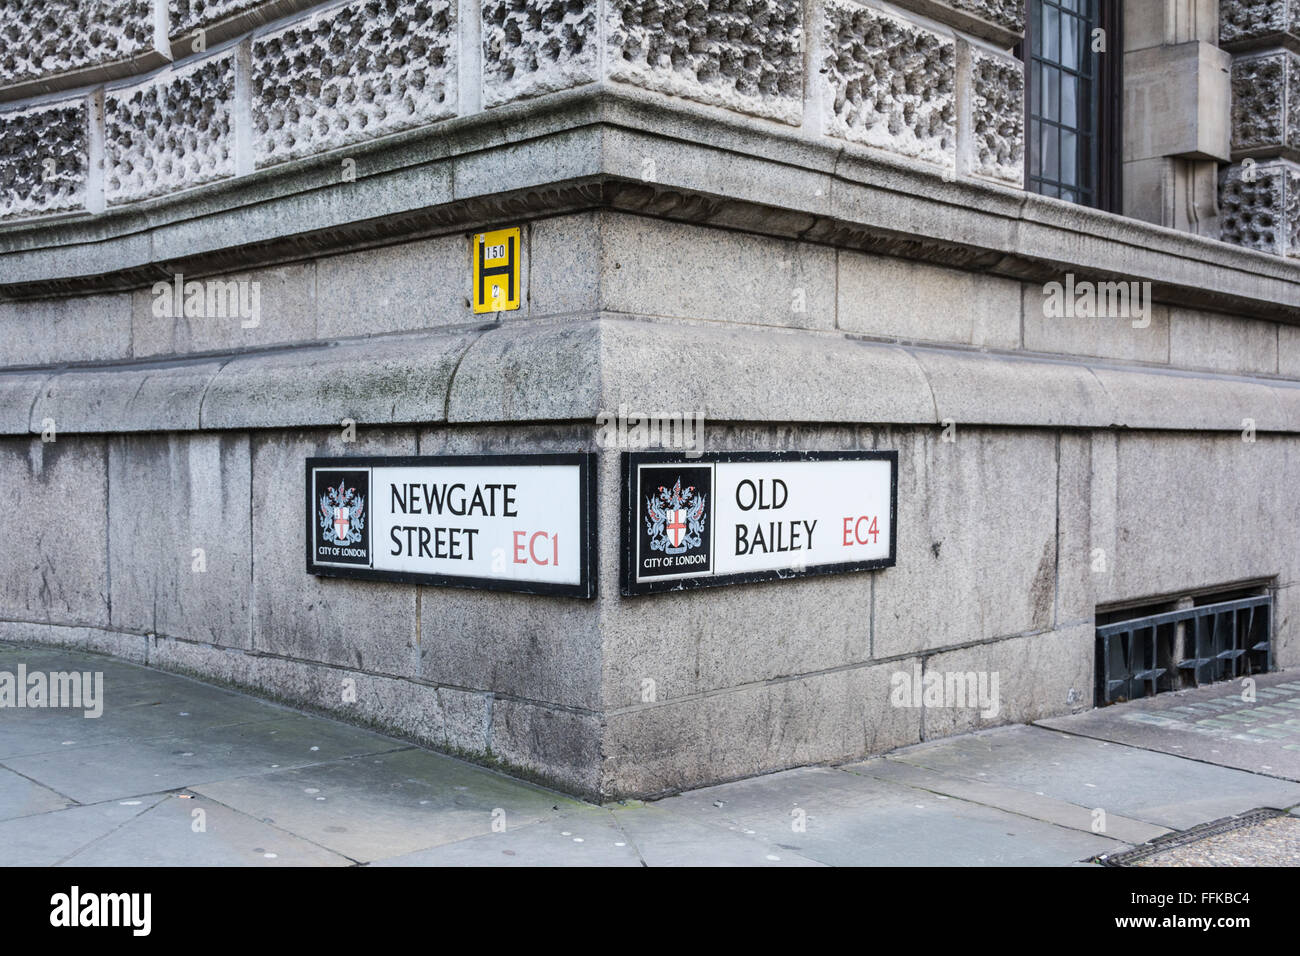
x=755, y=516
x=495, y=257
x=504, y=522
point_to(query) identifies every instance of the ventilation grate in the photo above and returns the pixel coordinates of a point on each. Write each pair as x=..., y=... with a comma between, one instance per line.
x=1174, y=650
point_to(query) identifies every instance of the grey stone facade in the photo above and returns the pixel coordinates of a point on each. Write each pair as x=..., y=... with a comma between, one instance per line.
x=805, y=219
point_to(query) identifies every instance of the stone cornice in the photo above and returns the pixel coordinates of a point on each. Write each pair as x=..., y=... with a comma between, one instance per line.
x=588, y=149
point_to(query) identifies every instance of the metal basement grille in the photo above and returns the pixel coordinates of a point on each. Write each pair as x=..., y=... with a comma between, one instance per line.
x=1187, y=648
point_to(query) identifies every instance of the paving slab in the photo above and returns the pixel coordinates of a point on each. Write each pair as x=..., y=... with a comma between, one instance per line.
x=854, y=820
x=664, y=837
x=586, y=837
x=93, y=773
x=1140, y=784
x=1215, y=724
x=1022, y=802
x=50, y=838
x=191, y=830
x=372, y=808
x=20, y=797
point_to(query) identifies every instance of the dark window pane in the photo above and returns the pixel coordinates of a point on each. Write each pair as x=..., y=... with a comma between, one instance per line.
x=1069, y=100
x=1035, y=147
x=1069, y=156
x=1070, y=44
x=1051, y=33
x=1051, y=167
x=1051, y=92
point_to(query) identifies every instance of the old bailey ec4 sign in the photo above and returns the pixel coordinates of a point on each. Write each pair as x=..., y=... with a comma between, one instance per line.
x=527, y=522
x=755, y=516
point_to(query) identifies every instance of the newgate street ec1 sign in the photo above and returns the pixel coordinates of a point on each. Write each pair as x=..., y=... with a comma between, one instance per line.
x=755, y=516
x=503, y=522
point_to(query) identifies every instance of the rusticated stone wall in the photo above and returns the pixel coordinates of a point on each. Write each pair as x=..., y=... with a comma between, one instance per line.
x=44, y=159
x=918, y=89
x=145, y=157
x=1259, y=194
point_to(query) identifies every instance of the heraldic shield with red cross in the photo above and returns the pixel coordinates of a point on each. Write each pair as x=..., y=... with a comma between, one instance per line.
x=342, y=536
x=675, y=507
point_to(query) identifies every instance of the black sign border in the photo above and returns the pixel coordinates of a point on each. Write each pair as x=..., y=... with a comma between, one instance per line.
x=586, y=462
x=630, y=587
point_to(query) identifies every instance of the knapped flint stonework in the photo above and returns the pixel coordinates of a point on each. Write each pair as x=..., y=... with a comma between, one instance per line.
x=172, y=133
x=891, y=83
x=42, y=38
x=44, y=161
x=997, y=111
x=1263, y=214
x=744, y=55
x=531, y=47
x=1245, y=23
x=1266, y=104
x=353, y=73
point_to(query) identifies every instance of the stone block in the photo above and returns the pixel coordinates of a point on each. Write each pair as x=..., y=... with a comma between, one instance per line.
x=171, y=132
x=745, y=56
x=19, y=392
x=401, y=288
x=1246, y=24
x=1176, y=102
x=972, y=389
x=655, y=267
x=371, y=382
x=1041, y=675
x=1103, y=337
x=991, y=130
x=153, y=397
x=908, y=301
x=45, y=164
x=1288, y=351
x=1158, y=399
x=1000, y=21
x=96, y=640
x=361, y=625
x=561, y=748
x=180, y=558
x=977, y=548
x=816, y=718
x=1075, y=580
x=1223, y=343
x=53, y=42
x=1155, y=24
x=59, y=572
x=889, y=83
x=1259, y=206
x=352, y=73
x=532, y=47
x=1266, y=105
x=235, y=311
x=52, y=331
x=564, y=262
x=1200, y=511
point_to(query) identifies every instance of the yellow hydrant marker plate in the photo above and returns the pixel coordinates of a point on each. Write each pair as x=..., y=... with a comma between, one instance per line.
x=496, y=270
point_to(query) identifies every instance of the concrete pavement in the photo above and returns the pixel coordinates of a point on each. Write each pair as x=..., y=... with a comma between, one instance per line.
x=176, y=772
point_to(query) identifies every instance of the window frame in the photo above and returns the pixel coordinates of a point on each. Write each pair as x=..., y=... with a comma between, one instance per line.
x=1107, y=160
